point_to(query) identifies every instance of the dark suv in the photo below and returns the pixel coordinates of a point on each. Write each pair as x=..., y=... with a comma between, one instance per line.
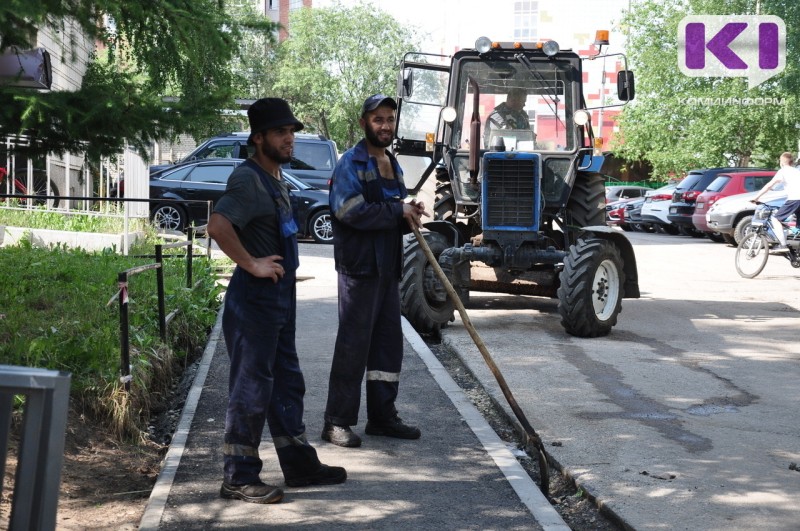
x=683, y=198
x=312, y=162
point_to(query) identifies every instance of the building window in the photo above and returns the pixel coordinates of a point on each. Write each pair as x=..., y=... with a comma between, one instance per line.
x=295, y=4
x=526, y=18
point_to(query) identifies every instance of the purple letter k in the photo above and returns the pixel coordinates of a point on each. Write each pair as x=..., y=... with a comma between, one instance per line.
x=718, y=45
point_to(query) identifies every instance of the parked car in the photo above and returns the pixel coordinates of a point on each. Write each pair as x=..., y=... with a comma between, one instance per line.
x=633, y=216
x=313, y=160
x=615, y=213
x=726, y=184
x=617, y=192
x=656, y=209
x=179, y=197
x=685, y=195
x=731, y=216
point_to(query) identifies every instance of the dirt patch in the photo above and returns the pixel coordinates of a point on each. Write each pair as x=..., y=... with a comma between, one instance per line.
x=106, y=484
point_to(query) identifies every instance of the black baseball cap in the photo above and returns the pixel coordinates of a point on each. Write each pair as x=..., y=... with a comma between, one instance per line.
x=375, y=101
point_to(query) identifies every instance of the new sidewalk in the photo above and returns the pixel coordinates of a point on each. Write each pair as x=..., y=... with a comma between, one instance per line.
x=459, y=475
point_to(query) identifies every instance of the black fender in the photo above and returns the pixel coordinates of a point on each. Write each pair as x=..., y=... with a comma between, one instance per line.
x=628, y=257
x=448, y=230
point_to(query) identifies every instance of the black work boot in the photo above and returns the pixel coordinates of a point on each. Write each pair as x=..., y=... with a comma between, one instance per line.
x=253, y=493
x=324, y=475
x=393, y=427
x=340, y=436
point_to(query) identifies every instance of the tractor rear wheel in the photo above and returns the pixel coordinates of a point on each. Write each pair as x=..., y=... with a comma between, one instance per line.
x=591, y=291
x=586, y=205
x=444, y=204
x=423, y=298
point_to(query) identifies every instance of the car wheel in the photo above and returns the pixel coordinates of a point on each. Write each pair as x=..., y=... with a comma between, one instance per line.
x=742, y=228
x=169, y=217
x=320, y=227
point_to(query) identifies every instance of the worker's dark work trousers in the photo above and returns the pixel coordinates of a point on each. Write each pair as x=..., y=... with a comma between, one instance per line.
x=266, y=382
x=370, y=337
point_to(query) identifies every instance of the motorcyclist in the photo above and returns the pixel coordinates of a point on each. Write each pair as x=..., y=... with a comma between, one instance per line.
x=789, y=176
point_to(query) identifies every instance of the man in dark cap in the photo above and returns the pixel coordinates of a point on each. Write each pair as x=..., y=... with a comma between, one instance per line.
x=369, y=220
x=253, y=224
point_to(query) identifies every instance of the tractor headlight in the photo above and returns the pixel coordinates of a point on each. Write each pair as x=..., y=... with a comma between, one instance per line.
x=581, y=117
x=449, y=114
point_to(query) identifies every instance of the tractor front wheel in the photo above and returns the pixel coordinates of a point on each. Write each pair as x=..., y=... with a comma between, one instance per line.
x=591, y=291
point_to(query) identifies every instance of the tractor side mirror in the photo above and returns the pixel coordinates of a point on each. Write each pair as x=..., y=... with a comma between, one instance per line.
x=408, y=82
x=626, y=89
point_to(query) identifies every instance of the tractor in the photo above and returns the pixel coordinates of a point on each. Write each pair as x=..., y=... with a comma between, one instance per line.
x=516, y=210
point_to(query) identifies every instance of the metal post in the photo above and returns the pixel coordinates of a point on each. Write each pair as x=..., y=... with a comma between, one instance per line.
x=41, y=448
x=124, y=341
x=162, y=312
x=189, y=251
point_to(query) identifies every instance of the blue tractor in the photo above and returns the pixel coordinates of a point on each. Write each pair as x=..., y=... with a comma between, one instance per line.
x=519, y=203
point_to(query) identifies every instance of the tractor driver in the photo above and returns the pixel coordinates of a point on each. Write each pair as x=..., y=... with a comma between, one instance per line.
x=508, y=115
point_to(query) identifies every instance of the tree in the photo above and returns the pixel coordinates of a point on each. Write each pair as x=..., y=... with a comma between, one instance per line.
x=335, y=58
x=253, y=63
x=176, y=51
x=678, y=122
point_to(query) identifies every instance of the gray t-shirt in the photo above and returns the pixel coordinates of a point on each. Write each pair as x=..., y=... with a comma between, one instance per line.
x=248, y=205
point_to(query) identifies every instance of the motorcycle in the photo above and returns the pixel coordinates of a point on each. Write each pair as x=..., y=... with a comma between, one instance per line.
x=762, y=238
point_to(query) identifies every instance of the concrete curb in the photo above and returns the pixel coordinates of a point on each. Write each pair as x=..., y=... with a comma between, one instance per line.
x=158, y=497
x=518, y=478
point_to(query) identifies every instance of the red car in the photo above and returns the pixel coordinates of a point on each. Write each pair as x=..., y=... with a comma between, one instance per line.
x=724, y=185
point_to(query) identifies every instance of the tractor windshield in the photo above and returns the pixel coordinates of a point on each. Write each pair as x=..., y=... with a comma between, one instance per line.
x=522, y=107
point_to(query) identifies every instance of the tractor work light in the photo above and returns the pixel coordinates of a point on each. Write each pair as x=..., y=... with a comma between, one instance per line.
x=550, y=48
x=483, y=44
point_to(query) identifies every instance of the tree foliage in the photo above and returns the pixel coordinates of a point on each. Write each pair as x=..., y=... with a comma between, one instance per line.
x=180, y=50
x=333, y=59
x=678, y=122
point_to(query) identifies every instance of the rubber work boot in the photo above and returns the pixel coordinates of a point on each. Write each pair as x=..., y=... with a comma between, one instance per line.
x=340, y=436
x=393, y=427
x=253, y=493
x=324, y=475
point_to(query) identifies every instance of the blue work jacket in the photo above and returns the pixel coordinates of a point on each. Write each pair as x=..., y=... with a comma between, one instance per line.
x=365, y=221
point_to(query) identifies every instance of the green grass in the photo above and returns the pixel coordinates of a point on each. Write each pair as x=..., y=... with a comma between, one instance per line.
x=60, y=220
x=55, y=314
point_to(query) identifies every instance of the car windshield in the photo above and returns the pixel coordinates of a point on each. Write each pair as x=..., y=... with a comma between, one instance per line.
x=296, y=183
x=548, y=89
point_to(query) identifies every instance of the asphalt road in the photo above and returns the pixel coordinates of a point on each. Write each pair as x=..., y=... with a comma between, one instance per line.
x=686, y=415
